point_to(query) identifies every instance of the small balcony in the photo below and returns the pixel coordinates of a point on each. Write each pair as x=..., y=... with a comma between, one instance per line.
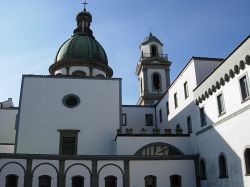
x=152, y=55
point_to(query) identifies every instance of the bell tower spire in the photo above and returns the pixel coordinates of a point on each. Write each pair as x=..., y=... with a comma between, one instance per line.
x=152, y=71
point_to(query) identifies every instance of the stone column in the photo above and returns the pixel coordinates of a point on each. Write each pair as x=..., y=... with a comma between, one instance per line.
x=61, y=176
x=126, y=177
x=94, y=176
x=28, y=175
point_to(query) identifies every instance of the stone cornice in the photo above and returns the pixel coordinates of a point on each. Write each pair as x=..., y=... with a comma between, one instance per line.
x=96, y=157
x=240, y=66
x=150, y=65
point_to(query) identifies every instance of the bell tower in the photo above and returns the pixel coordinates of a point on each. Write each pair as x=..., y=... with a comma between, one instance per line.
x=152, y=71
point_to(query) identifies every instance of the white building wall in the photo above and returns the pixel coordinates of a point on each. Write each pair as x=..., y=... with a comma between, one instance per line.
x=15, y=167
x=110, y=168
x=43, y=113
x=7, y=130
x=150, y=80
x=204, y=67
x=45, y=167
x=78, y=168
x=136, y=118
x=130, y=145
x=162, y=170
x=227, y=133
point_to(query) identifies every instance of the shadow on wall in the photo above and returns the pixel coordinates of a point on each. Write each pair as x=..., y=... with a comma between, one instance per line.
x=210, y=142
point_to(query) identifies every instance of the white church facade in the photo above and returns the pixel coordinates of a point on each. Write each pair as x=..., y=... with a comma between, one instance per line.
x=71, y=129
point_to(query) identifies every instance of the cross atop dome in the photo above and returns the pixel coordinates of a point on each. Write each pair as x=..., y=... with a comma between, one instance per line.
x=85, y=3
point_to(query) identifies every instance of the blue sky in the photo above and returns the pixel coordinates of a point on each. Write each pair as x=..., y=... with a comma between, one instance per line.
x=32, y=31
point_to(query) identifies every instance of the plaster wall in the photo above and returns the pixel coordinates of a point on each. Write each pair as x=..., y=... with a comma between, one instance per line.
x=10, y=166
x=230, y=138
x=136, y=118
x=43, y=113
x=7, y=148
x=78, y=168
x=110, y=168
x=150, y=80
x=7, y=125
x=44, y=167
x=204, y=67
x=185, y=107
x=130, y=145
x=162, y=170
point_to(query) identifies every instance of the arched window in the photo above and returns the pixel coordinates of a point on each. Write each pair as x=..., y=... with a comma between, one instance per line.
x=79, y=73
x=158, y=149
x=247, y=160
x=222, y=166
x=77, y=181
x=150, y=181
x=156, y=81
x=175, y=181
x=11, y=181
x=203, y=175
x=154, y=50
x=44, y=181
x=100, y=76
x=110, y=181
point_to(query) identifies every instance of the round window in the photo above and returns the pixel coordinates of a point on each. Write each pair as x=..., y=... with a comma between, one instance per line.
x=71, y=101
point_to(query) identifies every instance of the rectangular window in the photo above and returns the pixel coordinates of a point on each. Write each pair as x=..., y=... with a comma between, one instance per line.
x=68, y=142
x=203, y=117
x=160, y=115
x=186, y=90
x=175, y=100
x=189, y=124
x=220, y=103
x=244, y=88
x=167, y=108
x=149, y=119
x=124, y=119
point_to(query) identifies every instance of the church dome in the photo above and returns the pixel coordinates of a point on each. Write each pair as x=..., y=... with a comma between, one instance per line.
x=82, y=47
x=82, y=50
x=151, y=38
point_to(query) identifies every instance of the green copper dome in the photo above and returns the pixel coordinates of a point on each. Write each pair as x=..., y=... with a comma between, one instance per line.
x=82, y=47
x=151, y=38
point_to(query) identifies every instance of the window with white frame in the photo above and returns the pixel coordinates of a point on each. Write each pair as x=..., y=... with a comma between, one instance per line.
x=189, y=124
x=203, y=116
x=220, y=104
x=124, y=119
x=175, y=100
x=160, y=115
x=186, y=90
x=244, y=87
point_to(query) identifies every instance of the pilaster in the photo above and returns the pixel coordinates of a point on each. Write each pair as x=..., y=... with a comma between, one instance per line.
x=28, y=174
